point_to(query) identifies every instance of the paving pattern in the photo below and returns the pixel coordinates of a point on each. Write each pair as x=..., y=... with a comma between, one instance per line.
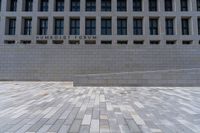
x=56, y=107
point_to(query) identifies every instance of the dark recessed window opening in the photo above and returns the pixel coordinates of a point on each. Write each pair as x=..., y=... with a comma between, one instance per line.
x=106, y=42
x=138, y=42
x=155, y=42
x=122, y=42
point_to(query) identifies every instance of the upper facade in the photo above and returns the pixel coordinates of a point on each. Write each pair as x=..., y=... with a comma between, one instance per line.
x=100, y=21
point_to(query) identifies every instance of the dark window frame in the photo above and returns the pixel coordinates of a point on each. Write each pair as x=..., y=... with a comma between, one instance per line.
x=90, y=5
x=106, y=5
x=184, y=5
x=122, y=26
x=121, y=5
x=43, y=28
x=44, y=5
x=28, y=5
x=13, y=5
x=106, y=26
x=198, y=5
x=138, y=26
x=137, y=5
x=74, y=26
x=75, y=5
x=153, y=5
x=154, y=26
x=90, y=26
x=12, y=26
x=27, y=26
x=58, y=26
x=59, y=5
x=169, y=26
x=185, y=26
x=168, y=5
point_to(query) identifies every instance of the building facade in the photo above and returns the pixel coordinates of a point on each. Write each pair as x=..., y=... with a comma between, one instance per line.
x=130, y=22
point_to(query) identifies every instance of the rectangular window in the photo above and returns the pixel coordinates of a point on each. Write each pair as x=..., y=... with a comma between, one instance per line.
x=43, y=26
x=90, y=5
x=74, y=26
x=106, y=5
x=137, y=5
x=198, y=25
x=106, y=26
x=198, y=5
x=121, y=5
x=28, y=5
x=153, y=25
x=27, y=26
x=90, y=27
x=75, y=5
x=13, y=5
x=59, y=5
x=185, y=26
x=59, y=26
x=169, y=22
x=137, y=26
x=168, y=5
x=184, y=5
x=121, y=26
x=12, y=26
x=44, y=5
x=153, y=5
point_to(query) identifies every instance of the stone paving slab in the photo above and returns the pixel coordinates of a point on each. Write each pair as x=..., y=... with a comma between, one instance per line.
x=41, y=107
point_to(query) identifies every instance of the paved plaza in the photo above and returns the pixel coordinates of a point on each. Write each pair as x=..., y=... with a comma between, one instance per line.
x=58, y=107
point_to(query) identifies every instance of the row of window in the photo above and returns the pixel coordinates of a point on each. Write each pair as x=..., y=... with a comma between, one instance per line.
x=106, y=5
x=106, y=26
x=107, y=42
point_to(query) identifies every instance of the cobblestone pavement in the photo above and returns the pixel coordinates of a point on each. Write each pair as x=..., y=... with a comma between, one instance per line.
x=56, y=107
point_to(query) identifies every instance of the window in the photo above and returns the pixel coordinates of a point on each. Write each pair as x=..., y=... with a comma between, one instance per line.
x=153, y=25
x=12, y=26
x=168, y=5
x=43, y=26
x=59, y=5
x=90, y=5
x=198, y=21
x=57, y=41
x=154, y=42
x=121, y=5
x=137, y=26
x=137, y=5
x=90, y=42
x=198, y=5
x=59, y=26
x=138, y=42
x=152, y=5
x=105, y=5
x=106, y=26
x=106, y=42
x=121, y=42
x=170, y=42
x=74, y=42
x=28, y=5
x=44, y=5
x=169, y=26
x=13, y=5
x=75, y=5
x=184, y=5
x=186, y=42
x=185, y=26
x=0, y=5
x=74, y=26
x=27, y=26
x=90, y=27
x=122, y=26
x=25, y=41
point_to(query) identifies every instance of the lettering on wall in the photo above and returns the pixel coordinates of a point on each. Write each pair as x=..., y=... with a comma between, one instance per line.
x=60, y=37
